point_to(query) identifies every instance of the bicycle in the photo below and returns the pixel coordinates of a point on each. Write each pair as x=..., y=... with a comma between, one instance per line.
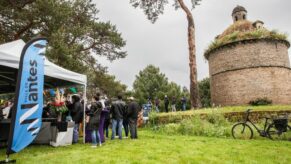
x=272, y=130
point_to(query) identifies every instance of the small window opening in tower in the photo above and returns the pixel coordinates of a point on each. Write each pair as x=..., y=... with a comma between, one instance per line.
x=236, y=18
x=244, y=17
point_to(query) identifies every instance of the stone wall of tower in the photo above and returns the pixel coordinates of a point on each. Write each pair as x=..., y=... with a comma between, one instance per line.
x=244, y=71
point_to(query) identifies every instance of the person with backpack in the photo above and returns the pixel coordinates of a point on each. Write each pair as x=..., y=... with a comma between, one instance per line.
x=94, y=119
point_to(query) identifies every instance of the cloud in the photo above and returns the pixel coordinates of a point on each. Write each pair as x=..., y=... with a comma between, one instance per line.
x=164, y=44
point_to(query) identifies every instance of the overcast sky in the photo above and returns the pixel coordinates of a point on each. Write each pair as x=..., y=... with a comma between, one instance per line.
x=164, y=44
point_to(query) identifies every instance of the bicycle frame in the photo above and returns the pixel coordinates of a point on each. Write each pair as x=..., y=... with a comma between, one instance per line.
x=261, y=132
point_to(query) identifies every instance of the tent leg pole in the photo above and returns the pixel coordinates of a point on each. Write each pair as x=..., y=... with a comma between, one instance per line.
x=84, y=114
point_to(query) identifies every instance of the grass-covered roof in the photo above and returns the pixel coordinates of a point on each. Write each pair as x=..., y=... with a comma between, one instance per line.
x=240, y=31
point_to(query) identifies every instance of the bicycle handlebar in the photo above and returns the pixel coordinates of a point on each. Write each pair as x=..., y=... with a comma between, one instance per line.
x=247, y=114
x=248, y=111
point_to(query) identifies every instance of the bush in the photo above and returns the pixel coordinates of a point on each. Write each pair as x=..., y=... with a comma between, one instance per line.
x=212, y=125
x=153, y=118
x=260, y=101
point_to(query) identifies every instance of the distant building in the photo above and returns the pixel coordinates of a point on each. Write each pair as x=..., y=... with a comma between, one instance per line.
x=247, y=62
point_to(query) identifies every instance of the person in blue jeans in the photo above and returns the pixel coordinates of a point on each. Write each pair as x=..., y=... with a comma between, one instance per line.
x=184, y=102
x=95, y=112
x=117, y=112
x=117, y=123
x=76, y=112
x=95, y=138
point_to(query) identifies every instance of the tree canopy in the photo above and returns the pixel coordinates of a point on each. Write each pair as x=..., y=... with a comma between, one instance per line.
x=150, y=83
x=76, y=37
x=204, y=92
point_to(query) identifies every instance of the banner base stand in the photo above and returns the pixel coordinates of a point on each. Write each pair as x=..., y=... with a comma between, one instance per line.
x=7, y=160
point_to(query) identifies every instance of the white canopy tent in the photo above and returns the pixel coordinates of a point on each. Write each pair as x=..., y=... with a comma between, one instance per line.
x=9, y=63
x=10, y=57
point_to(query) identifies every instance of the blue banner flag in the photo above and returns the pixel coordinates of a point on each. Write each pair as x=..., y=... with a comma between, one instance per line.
x=27, y=112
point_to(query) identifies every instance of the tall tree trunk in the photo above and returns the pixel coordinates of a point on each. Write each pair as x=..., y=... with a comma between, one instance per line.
x=194, y=93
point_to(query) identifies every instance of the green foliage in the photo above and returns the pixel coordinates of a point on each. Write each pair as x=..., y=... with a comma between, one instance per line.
x=204, y=92
x=246, y=35
x=151, y=83
x=106, y=84
x=212, y=125
x=59, y=109
x=260, y=101
x=232, y=113
x=76, y=37
x=153, y=118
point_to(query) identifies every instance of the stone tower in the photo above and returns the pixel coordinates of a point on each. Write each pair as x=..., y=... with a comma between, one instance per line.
x=239, y=13
x=247, y=62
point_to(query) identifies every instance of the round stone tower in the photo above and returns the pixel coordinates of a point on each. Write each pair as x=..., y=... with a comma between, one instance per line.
x=247, y=62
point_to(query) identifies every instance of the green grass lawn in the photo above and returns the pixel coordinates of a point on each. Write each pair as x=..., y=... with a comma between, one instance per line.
x=158, y=148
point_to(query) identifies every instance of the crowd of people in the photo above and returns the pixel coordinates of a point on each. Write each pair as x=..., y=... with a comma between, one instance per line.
x=121, y=114
x=102, y=112
x=173, y=102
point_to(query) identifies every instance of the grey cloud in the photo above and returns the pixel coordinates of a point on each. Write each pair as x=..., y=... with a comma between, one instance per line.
x=164, y=43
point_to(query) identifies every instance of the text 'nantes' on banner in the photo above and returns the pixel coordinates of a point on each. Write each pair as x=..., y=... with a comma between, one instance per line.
x=26, y=118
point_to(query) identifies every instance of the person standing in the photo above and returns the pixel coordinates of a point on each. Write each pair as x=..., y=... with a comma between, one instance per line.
x=184, y=102
x=166, y=101
x=95, y=112
x=104, y=112
x=173, y=104
x=116, y=111
x=125, y=121
x=133, y=109
x=157, y=104
x=76, y=112
x=107, y=118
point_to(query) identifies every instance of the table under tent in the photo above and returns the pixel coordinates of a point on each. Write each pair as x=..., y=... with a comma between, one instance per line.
x=55, y=76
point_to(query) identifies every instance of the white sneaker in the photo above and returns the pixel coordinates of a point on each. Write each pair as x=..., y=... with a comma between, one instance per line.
x=93, y=146
x=125, y=137
x=100, y=144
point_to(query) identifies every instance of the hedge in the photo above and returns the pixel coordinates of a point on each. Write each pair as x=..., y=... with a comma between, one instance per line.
x=232, y=116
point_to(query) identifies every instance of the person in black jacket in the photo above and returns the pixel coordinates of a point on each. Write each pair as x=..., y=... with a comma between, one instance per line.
x=94, y=120
x=125, y=121
x=117, y=112
x=166, y=101
x=107, y=118
x=76, y=112
x=133, y=109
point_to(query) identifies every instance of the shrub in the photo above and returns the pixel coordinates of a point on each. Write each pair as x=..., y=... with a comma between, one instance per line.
x=212, y=125
x=153, y=118
x=260, y=101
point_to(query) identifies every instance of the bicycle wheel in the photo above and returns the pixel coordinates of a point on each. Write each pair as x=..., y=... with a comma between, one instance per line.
x=242, y=131
x=274, y=134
